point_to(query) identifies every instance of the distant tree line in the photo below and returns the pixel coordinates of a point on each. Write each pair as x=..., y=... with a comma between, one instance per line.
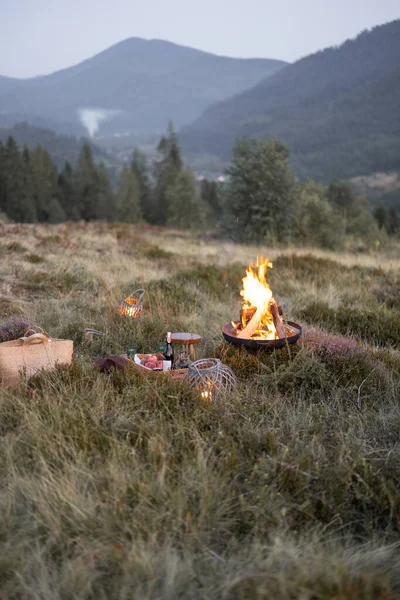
x=261, y=202
x=165, y=193
x=387, y=219
x=265, y=203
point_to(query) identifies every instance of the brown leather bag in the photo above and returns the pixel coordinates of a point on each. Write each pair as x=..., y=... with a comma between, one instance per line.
x=110, y=363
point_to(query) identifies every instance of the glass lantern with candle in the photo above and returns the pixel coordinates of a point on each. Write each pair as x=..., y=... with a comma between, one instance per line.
x=133, y=305
x=211, y=378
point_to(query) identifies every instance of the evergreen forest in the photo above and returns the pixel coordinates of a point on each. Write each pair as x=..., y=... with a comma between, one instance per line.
x=259, y=201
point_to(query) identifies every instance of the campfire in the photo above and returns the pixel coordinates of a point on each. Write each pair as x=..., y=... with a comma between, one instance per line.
x=260, y=320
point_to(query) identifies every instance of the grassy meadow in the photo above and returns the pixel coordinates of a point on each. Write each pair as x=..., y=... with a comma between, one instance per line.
x=133, y=487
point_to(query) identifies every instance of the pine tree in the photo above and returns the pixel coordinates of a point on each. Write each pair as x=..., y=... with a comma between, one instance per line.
x=45, y=186
x=18, y=199
x=354, y=211
x=85, y=184
x=392, y=221
x=316, y=222
x=68, y=197
x=94, y=198
x=105, y=203
x=174, y=152
x=166, y=170
x=139, y=169
x=28, y=185
x=381, y=216
x=211, y=194
x=185, y=207
x=128, y=197
x=261, y=195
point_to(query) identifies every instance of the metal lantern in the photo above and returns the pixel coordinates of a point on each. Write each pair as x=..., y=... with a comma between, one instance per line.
x=132, y=306
x=211, y=378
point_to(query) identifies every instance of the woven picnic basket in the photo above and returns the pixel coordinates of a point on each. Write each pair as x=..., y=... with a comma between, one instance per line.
x=30, y=354
x=174, y=373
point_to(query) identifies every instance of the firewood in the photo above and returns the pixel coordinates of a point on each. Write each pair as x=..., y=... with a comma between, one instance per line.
x=252, y=325
x=278, y=322
x=246, y=314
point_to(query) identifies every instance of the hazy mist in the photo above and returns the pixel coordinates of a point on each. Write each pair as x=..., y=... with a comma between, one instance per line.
x=92, y=117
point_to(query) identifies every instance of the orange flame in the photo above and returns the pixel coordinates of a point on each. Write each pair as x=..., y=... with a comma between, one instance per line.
x=257, y=297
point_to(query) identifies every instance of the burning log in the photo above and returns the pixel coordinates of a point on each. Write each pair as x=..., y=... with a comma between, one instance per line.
x=246, y=314
x=252, y=325
x=278, y=321
x=249, y=320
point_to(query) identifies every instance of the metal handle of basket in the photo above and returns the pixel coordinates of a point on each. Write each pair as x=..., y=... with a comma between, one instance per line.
x=88, y=331
x=141, y=294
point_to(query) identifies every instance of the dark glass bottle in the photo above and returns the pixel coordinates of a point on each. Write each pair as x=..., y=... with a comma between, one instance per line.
x=169, y=351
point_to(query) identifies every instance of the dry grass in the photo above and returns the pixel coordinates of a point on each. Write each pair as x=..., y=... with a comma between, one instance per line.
x=127, y=487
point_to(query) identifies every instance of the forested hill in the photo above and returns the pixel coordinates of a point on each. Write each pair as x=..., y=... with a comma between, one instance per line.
x=7, y=83
x=139, y=85
x=60, y=147
x=338, y=110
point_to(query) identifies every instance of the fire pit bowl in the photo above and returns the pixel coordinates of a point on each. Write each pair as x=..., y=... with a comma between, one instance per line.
x=229, y=334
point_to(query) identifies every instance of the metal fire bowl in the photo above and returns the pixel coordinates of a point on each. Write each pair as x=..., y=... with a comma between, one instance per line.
x=229, y=334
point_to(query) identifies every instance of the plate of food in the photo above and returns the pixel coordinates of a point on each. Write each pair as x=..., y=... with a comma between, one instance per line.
x=153, y=362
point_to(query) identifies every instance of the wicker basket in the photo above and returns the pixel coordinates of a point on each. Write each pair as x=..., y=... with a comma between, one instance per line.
x=31, y=354
x=174, y=373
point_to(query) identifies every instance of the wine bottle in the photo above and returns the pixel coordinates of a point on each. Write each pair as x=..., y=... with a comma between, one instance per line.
x=169, y=351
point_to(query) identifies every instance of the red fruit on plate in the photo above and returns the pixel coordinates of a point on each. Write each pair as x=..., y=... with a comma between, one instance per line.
x=151, y=364
x=143, y=361
x=159, y=364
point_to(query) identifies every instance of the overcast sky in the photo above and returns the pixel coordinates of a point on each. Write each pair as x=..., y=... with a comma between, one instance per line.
x=41, y=36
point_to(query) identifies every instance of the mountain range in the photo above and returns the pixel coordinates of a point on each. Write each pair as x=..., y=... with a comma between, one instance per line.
x=338, y=110
x=136, y=86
